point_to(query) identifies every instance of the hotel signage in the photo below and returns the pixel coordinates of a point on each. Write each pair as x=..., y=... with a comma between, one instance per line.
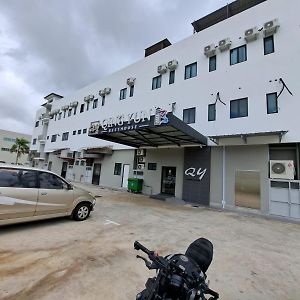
x=131, y=121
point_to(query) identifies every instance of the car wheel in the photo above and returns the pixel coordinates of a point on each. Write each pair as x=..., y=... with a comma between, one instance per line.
x=81, y=212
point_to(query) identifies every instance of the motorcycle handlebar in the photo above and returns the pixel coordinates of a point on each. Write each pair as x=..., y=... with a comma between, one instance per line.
x=139, y=246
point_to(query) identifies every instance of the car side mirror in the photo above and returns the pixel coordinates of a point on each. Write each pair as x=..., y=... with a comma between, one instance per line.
x=70, y=187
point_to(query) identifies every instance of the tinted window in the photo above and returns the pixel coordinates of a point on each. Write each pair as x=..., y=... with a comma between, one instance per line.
x=211, y=112
x=212, y=63
x=117, y=170
x=189, y=115
x=272, y=105
x=238, y=55
x=17, y=178
x=50, y=181
x=123, y=93
x=269, y=45
x=190, y=71
x=131, y=91
x=239, y=108
x=156, y=82
x=172, y=77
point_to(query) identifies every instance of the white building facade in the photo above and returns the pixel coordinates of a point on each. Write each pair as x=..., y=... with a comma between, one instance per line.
x=230, y=96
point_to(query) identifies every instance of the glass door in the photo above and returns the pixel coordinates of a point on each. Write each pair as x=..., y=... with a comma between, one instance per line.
x=168, y=180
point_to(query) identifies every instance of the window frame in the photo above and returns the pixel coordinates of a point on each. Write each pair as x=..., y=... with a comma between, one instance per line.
x=54, y=175
x=213, y=106
x=123, y=94
x=267, y=38
x=84, y=130
x=190, y=73
x=190, y=119
x=156, y=82
x=65, y=136
x=238, y=55
x=131, y=91
x=34, y=141
x=118, y=169
x=81, y=108
x=95, y=103
x=239, y=102
x=53, y=138
x=172, y=77
x=212, y=68
x=276, y=102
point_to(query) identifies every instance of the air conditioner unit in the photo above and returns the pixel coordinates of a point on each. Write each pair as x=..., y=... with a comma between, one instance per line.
x=172, y=64
x=74, y=104
x=102, y=93
x=65, y=107
x=107, y=90
x=140, y=166
x=141, y=159
x=140, y=152
x=162, y=69
x=251, y=34
x=270, y=27
x=130, y=81
x=210, y=50
x=282, y=169
x=224, y=44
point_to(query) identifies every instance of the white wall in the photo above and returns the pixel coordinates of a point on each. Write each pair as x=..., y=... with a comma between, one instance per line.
x=253, y=79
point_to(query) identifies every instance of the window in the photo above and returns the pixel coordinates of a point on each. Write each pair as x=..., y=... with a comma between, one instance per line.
x=238, y=55
x=47, y=137
x=75, y=110
x=211, y=112
x=5, y=149
x=131, y=90
x=74, y=132
x=65, y=113
x=69, y=112
x=123, y=93
x=189, y=115
x=33, y=141
x=212, y=63
x=7, y=139
x=82, y=108
x=37, y=124
x=272, y=104
x=50, y=181
x=239, y=108
x=152, y=166
x=84, y=131
x=17, y=178
x=95, y=103
x=49, y=165
x=172, y=77
x=156, y=82
x=117, y=170
x=53, y=138
x=190, y=71
x=87, y=105
x=82, y=163
x=269, y=45
x=79, y=131
x=77, y=163
x=65, y=136
x=59, y=116
x=103, y=100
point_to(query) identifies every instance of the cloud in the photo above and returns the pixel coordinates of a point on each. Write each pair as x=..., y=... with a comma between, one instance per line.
x=61, y=46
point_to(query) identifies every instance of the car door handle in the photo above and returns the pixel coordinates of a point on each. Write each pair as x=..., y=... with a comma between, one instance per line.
x=44, y=194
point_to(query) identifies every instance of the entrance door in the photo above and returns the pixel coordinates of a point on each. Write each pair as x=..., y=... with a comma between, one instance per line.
x=64, y=169
x=96, y=174
x=125, y=176
x=168, y=180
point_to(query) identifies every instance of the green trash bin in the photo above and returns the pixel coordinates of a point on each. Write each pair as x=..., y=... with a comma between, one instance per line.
x=135, y=185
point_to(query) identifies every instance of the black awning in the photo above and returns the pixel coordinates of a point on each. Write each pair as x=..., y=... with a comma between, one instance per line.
x=147, y=134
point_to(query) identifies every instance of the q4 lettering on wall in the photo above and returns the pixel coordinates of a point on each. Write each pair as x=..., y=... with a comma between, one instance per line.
x=195, y=173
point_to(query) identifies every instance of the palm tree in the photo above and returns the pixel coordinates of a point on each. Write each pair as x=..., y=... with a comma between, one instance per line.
x=20, y=147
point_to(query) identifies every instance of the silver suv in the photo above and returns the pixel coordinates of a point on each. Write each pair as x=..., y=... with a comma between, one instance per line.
x=28, y=194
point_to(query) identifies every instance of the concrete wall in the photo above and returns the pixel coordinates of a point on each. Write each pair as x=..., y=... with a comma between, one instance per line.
x=254, y=158
x=172, y=157
x=7, y=140
x=107, y=177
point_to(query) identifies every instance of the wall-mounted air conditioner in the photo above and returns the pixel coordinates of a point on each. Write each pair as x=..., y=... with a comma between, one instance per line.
x=65, y=107
x=210, y=50
x=107, y=90
x=130, y=81
x=88, y=98
x=224, y=44
x=140, y=152
x=282, y=169
x=270, y=27
x=251, y=34
x=141, y=159
x=102, y=93
x=141, y=166
x=172, y=64
x=74, y=104
x=162, y=69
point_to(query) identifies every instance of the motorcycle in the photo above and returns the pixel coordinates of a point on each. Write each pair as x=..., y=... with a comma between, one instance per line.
x=179, y=276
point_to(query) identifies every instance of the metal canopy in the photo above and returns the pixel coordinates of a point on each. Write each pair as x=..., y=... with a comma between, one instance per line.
x=146, y=134
x=244, y=136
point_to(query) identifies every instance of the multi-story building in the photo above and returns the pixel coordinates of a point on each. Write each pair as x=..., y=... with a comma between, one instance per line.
x=7, y=140
x=211, y=119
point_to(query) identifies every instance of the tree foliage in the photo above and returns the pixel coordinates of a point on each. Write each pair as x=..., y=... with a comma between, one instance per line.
x=20, y=147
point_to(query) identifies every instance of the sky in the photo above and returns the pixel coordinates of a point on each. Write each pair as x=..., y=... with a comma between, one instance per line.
x=61, y=46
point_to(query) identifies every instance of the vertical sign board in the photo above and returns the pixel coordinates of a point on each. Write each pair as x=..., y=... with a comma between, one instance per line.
x=196, y=177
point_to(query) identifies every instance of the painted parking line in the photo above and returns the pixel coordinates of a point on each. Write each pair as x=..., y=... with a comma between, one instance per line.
x=107, y=222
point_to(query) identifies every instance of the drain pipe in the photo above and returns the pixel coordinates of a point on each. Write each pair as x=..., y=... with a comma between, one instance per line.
x=224, y=175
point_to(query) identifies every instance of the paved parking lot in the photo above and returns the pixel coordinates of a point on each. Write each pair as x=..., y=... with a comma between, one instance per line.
x=254, y=258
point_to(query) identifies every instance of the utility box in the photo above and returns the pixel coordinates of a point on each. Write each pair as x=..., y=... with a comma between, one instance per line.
x=135, y=185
